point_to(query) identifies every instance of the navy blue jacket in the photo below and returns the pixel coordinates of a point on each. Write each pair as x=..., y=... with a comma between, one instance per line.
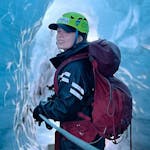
x=75, y=84
x=75, y=93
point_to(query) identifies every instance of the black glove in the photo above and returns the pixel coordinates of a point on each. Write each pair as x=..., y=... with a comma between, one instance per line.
x=48, y=126
x=38, y=110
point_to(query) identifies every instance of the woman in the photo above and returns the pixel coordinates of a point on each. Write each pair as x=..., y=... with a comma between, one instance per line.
x=74, y=94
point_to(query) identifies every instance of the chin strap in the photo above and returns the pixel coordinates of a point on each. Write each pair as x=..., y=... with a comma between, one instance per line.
x=76, y=38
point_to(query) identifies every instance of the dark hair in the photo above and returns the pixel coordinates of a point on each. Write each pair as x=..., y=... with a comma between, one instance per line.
x=84, y=35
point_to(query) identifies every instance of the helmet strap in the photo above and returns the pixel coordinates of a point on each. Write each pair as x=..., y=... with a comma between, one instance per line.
x=76, y=38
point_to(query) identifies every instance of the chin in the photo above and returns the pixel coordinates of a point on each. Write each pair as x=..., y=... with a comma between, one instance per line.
x=60, y=47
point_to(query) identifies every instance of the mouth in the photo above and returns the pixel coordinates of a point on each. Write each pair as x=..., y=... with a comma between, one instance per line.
x=60, y=41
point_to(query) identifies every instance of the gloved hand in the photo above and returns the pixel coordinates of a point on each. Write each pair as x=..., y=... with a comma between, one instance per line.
x=48, y=126
x=38, y=110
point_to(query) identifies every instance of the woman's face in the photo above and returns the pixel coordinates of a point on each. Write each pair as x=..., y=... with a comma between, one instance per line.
x=64, y=40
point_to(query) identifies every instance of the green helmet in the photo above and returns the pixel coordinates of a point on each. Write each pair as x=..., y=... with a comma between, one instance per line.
x=73, y=19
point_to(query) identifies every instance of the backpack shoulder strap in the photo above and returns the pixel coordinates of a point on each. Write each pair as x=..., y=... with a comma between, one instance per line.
x=64, y=63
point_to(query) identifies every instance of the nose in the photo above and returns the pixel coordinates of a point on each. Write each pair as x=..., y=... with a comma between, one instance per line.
x=59, y=33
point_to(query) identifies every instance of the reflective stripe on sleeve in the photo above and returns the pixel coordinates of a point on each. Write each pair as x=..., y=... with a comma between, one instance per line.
x=65, y=77
x=76, y=94
x=64, y=80
x=78, y=88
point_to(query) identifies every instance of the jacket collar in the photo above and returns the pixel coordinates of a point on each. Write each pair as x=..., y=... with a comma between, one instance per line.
x=79, y=48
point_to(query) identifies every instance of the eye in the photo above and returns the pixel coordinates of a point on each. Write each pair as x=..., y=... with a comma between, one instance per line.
x=58, y=29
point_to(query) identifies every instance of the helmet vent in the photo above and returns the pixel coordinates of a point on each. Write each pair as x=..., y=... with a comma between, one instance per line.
x=72, y=17
x=79, y=18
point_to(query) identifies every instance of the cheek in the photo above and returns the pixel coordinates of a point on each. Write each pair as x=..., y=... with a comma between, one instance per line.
x=70, y=41
x=65, y=43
